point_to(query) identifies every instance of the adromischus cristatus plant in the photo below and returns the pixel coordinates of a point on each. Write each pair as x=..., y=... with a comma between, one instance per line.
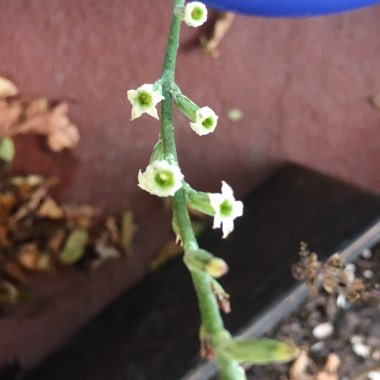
x=164, y=178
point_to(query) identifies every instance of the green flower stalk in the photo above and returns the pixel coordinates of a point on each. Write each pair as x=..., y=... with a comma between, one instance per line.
x=164, y=178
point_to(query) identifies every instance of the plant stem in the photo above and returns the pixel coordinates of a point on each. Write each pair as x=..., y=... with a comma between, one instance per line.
x=210, y=314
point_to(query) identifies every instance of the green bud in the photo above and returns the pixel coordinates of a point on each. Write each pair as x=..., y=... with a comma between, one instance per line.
x=185, y=105
x=202, y=261
x=7, y=149
x=158, y=152
x=216, y=268
x=258, y=351
x=199, y=200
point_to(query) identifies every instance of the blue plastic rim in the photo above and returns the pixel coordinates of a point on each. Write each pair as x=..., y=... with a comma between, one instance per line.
x=289, y=8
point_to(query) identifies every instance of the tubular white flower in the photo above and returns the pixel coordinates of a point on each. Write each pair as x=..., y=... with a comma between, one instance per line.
x=226, y=209
x=144, y=100
x=195, y=14
x=205, y=121
x=161, y=178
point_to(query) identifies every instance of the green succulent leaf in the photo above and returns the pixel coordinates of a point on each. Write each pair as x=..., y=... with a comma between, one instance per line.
x=7, y=150
x=75, y=246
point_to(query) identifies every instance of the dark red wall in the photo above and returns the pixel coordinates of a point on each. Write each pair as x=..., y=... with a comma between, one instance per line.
x=302, y=85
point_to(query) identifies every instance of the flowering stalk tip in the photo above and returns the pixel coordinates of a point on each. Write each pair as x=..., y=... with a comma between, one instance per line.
x=144, y=100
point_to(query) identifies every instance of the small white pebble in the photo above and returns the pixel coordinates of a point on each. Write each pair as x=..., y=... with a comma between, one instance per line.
x=361, y=349
x=367, y=253
x=323, y=330
x=356, y=339
x=368, y=274
x=374, y=375
x=376, y=355
x=350, y=267
x=341, y=301
x=316, y=347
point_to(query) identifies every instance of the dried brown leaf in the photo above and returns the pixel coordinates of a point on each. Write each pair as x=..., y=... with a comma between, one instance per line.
x=50, y=209
x=113, y=230
x=128, y=231
x=7, y=88
x=55, y=242
x=80, y=215
x=374, y=100
x=13, y=270
x=32, y=259
x=38, y=116
x=166, y=253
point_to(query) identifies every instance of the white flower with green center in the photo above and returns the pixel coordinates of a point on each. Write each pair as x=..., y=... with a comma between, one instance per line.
x=161, y=178
x=226, y=209
x=205, y=121
x=195, y=14
x=144, y=100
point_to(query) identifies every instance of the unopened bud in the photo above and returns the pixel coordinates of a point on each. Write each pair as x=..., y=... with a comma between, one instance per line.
x=216, y=267
x=258, y=351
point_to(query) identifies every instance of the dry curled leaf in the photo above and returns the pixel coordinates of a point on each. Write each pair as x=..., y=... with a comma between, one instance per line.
x=304, y=369
x=7, y=88
x=128, y=231
x=50, y=209
x=19, y=115
x=222, y=25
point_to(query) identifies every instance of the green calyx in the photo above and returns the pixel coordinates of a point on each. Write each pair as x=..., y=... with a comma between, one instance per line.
x=184, y=104
x=198, y=200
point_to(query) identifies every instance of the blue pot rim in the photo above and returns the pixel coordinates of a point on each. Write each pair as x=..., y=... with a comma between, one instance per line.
x=289, y=8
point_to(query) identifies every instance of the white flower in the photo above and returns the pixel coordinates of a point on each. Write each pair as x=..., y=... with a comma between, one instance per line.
x=195, y=14
x=144, y=100
x=161, y=178
x=205, y=121
x=226, y=209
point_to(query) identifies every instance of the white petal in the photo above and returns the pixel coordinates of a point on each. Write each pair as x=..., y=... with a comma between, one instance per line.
x=217, y=221
x=216, y=200
x=131, y=95
x=141, y=180
x=153, y=112
x=238, y=209
x=228, y=226
x=227, y=191
x=146, y=87
x=136, y=113
x=157, y=97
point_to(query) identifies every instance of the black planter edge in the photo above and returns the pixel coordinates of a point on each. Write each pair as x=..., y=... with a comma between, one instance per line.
x=284, y=306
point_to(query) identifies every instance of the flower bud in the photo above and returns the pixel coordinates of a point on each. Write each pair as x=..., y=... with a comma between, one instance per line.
x=202, y=261
x=258, y=351
x=216, y=267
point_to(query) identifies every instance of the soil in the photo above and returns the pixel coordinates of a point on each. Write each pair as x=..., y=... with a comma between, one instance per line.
x=355, y=327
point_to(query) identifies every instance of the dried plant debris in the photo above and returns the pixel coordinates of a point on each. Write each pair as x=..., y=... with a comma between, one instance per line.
x=334, y=276
x=20, y=115
x=222, y=25
x=37, y=234
x=338, y=342
x=374, y=100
